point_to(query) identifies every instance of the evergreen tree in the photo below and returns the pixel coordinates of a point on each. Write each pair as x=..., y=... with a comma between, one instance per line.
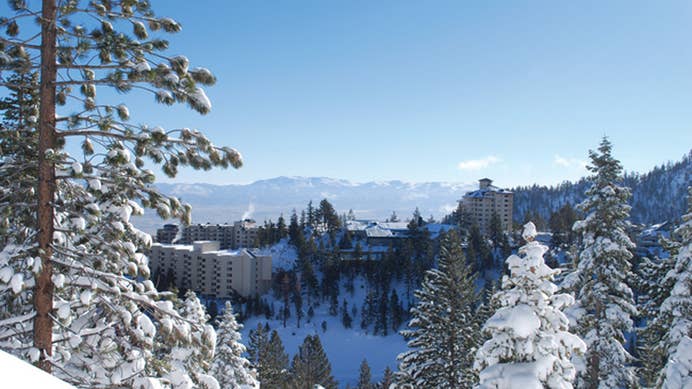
x=346, y=242
x=529, y=342
x=257, y=347
x=561, y=223
x=495, y=229
x=346, y=318
x=329, y=217
x=443, y=331
x=194, y=358
x=396, y=311
x=281, y=227
x=490, y=304
x=387, y=379
x=676, y=312
x=77, y=266
x=230, y=368
x=311, y=367
x=654, y=288
x=605, y=302
x=311, y=216
x=364, y=377
x=273, y=371
x=295, y=232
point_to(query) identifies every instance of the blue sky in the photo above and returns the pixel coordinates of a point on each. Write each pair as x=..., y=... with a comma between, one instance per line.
x=518, y=91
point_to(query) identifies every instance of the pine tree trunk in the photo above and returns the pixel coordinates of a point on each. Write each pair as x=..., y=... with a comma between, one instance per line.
x=43, y=294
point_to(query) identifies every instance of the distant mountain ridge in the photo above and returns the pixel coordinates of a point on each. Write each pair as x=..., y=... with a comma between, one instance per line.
x=265, y=199
x=658, y=195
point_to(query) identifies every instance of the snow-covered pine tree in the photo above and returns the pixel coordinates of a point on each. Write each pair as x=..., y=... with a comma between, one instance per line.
x=529, y=345
x=443, y=332
x=605, y=303
x=364, y=376
x=653, y=290
x=273, y=371
x=311, y=367
x=190, y=358
x=230, y=368
x=676, y=311
x=74, y=270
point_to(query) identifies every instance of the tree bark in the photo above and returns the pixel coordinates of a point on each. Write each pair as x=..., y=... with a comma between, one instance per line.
x=43, y=293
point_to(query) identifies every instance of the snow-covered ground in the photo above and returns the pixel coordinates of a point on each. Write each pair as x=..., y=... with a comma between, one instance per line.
x=345, y=348
x=283, y=255
x=16, y=373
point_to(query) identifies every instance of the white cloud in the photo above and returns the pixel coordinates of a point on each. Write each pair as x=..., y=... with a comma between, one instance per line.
x=478, y=164
x=569, y=162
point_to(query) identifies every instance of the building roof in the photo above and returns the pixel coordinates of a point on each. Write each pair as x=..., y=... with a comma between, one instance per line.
x=479, y=193
x=378, y=232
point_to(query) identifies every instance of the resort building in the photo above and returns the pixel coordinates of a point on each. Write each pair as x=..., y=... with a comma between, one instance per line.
x=480, y=205
x=167, y=234
x=240, y=234
x=207, y=270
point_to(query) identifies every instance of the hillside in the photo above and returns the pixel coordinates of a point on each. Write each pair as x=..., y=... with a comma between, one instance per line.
x=657, y=196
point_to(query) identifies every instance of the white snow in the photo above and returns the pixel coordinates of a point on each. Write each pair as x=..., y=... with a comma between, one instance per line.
x=77, y=168
x=511, y=376
x=521, y=319
x=678, y=371
x=16, y=373
x=201, y=99
x=345, y=348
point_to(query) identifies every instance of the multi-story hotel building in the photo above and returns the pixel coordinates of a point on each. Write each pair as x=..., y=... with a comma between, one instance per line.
x=167, y=234
x=206, y=269
x=240, y=234
x=480, y=205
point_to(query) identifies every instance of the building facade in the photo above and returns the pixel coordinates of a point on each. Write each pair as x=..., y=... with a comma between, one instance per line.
x=481, y=204
x=238, y=235
x=206, y=269
x=167, y=234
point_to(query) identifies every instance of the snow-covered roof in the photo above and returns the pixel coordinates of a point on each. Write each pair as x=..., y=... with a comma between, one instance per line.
x=378, y=232
x=436, y=228
x=655, y=229
x=479, y=193
x=187, y=247
x=393, y=225
x=357, y=225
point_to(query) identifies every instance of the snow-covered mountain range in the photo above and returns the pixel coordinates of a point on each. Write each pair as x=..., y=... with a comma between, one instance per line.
x=269, y=198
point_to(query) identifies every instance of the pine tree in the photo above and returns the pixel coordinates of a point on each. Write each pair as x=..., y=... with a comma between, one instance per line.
x=443, y=331
x=654, y=288
x=193, y=357
x=387, y=379
x=230, y=368
x=281, y=227
x=676, y=311
x=257, y=347
x=364, y=376
x=273, y=371
x=605, y=302
x=87, y=277
x=529, y=342
x=490, y=304
x=311, y=367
